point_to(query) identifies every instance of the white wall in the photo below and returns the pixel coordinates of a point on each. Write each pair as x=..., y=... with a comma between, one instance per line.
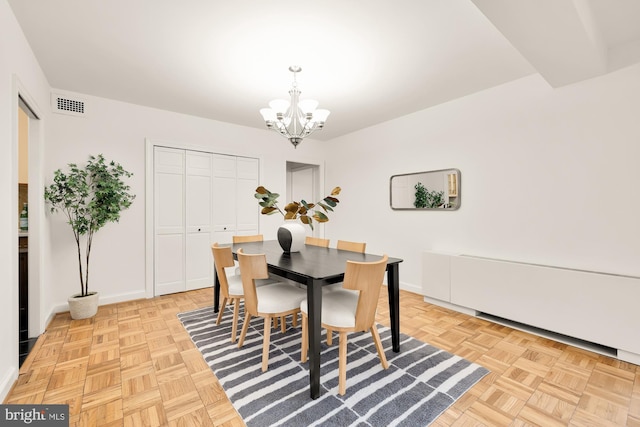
x=118, y=130
x=19, y=72
x=549, y=176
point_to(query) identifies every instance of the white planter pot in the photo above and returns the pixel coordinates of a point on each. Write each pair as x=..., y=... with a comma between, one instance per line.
x=291, y=235
x=83, y=307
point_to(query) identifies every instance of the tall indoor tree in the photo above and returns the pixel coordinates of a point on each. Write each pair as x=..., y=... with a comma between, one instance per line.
x=90, y=197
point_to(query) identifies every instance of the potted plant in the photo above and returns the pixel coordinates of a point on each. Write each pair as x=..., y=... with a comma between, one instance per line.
x=291, y=234
x=90, y=197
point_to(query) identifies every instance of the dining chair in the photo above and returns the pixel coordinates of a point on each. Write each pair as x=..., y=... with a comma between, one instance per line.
x=352, y=309
x=346, y=245
x=255, y=238
x=316, y=241
x=230, y=284
x=247, y=239
x=343, y=245
x=273, y=301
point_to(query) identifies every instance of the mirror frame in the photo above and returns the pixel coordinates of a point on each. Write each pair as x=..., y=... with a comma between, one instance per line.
x=448, y=170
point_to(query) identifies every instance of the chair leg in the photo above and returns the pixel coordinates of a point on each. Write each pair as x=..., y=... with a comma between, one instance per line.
x=265, y=345
x=329, y=337
x=294, y=320
x=245, y=327
x=222, y=306
x=283, y=324
x=342, y=364
x=275, y=323
x=305, y=339
x=378, y=343
x=234, y=326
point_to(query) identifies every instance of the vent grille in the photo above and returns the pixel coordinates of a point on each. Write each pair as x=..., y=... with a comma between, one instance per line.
x=70, y=105
x=65, y=105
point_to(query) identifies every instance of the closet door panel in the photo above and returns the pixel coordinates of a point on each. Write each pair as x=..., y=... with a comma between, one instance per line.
x=224, y=198
x=169, y=264
x=198, y=192
x=247, y=204
x=199, y=264
x=199, y=267
x=169, y=241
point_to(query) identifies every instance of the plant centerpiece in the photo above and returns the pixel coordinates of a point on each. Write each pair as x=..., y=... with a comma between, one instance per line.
x=291, y=235
x=90, y=197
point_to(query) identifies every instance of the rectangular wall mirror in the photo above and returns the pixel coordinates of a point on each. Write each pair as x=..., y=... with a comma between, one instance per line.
x=430, y=190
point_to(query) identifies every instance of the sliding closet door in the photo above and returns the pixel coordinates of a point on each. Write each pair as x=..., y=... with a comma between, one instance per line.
x=169, y=201
x=199, y=264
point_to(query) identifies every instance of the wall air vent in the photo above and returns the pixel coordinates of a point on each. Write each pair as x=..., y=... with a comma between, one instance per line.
x=64, y=104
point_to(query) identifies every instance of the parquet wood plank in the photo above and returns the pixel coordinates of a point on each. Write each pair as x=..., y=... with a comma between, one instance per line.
x=152, y=415
x=133, y=364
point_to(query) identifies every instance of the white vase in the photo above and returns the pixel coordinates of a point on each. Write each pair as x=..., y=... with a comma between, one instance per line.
x=83, y=307
x=291, y=235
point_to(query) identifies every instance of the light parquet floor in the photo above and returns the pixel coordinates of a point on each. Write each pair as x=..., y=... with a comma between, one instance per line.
x=134, y=365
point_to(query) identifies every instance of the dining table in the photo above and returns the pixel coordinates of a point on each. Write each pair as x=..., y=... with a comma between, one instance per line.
x=315, y=267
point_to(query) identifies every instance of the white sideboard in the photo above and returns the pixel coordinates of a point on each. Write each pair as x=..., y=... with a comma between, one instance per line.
x=594, y=307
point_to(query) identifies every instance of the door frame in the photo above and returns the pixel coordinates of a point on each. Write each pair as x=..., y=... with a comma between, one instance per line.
x=22, y=99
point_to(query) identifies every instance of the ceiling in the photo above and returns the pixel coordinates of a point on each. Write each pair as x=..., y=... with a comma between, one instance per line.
x=368, y=61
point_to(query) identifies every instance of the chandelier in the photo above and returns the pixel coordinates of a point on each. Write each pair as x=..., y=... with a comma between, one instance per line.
x=294, y=119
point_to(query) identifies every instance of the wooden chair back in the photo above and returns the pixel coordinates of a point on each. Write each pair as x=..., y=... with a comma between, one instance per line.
x=247, y=239
x=316, y=241
x=252, y=267
x=365, y=277
x=345, y=245
x=222, y=258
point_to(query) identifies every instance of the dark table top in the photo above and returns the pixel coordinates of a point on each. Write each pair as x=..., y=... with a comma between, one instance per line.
x=313, y=262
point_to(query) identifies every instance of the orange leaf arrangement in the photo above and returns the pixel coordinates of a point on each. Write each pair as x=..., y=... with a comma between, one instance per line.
x=306, y=212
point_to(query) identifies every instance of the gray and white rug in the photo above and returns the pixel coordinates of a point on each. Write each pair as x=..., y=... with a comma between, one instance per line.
x=422, y=381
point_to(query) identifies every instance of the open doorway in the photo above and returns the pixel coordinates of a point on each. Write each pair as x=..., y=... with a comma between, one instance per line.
x=303, y=183
x=27, y=205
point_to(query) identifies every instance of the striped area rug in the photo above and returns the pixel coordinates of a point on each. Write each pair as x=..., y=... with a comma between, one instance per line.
x=421, y=382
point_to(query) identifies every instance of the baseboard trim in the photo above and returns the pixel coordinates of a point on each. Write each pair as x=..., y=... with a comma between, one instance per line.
x=450, y=306
x=8, y=380
x=410, y=287
x=104, y=300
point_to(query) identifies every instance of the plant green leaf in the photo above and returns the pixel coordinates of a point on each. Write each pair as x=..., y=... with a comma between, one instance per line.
x=320, y=217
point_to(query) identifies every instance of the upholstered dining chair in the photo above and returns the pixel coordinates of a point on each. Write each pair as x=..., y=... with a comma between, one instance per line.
x=230, y=284
x=272, y=301
x=352, y=309
x=343, y=245
x=255, y=238
x=316, y=241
